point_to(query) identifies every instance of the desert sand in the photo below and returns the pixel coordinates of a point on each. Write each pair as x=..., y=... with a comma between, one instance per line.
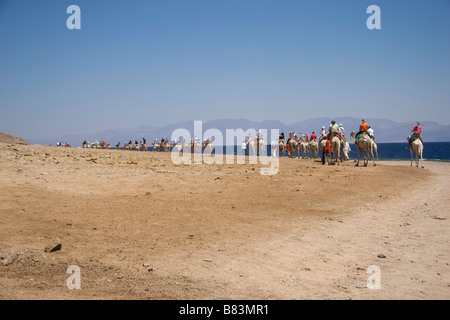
x=140, y=227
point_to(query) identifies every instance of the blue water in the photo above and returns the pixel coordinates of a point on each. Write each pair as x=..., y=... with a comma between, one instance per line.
x=387, y=151
x=398, y=151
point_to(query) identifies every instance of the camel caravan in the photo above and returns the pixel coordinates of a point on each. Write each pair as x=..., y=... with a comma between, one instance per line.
x=303, y=146
x=96, y=145
x=333, y=144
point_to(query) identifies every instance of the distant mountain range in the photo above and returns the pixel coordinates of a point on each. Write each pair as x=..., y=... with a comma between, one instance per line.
x=385, y=130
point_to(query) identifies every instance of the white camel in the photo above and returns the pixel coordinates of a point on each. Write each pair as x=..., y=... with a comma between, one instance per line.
x=335, y=146
x=262, y=146
x=375, y=148
x=314, y=149
x=417, y=148
x=251, y=147
x=303, y=149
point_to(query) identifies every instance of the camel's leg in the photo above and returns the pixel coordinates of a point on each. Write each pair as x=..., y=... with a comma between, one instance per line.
x=357, y=151
x=411, y=156
x=373, y=158
x=421, y=158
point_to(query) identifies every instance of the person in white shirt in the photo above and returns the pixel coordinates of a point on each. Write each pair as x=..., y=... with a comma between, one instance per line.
x=323, y=132
x=371, y=133
x=341, y=129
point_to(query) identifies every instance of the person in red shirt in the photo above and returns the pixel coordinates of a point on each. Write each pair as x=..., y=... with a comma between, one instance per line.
x=313, y=136
x=326, y=152
x=417, y=131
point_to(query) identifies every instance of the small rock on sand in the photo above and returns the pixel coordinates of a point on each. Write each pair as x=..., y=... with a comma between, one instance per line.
x=53, y=246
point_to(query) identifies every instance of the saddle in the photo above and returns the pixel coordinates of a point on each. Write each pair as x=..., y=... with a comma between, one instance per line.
x=360, y=136
x=331, y=135
x=414, y=137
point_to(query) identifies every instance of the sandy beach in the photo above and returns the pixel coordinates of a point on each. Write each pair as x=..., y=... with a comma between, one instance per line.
x=140, y=227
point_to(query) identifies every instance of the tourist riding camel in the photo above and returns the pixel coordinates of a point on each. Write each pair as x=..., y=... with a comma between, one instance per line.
x=365, y=145
x=363, y=127
x=416, y=134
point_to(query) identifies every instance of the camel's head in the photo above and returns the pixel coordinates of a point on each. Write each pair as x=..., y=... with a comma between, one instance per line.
x=353, y=134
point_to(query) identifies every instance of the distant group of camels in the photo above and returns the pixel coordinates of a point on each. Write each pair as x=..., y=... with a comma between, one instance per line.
x=301, y=148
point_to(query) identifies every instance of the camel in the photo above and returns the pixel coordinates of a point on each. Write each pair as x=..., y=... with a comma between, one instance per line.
x=322, y=145
x=303, y=147
x=143, y=146
x=335, y=146
x=156, y=146
x=293, y=147
x=282, y=148
x=118, y=146
x=175, y=146
x=251, y=147
x=261, y=146
x=314, y=149
x=364, y=144
x=207, y=147
x=136, y=147
x=195, y=146
x=417, y=148
x=375, y=148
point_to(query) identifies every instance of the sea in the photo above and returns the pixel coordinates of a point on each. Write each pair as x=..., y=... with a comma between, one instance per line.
x=436, y=151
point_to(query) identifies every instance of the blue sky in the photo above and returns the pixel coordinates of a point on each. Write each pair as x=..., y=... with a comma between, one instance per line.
x=158, y=62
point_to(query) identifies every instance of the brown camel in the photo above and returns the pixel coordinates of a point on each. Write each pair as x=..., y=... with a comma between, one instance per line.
x=364, y=144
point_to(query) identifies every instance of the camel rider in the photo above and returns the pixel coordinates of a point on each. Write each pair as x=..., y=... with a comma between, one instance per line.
x=416, y=134
x=313, y=136
x=363, y=127
x=306, y=136
x=341, y=130
x=371, y=133
x=333, y=129
x=322, y=132
x=281, y=137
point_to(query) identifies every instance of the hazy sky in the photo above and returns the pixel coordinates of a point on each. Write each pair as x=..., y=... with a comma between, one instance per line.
x=158, y=62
